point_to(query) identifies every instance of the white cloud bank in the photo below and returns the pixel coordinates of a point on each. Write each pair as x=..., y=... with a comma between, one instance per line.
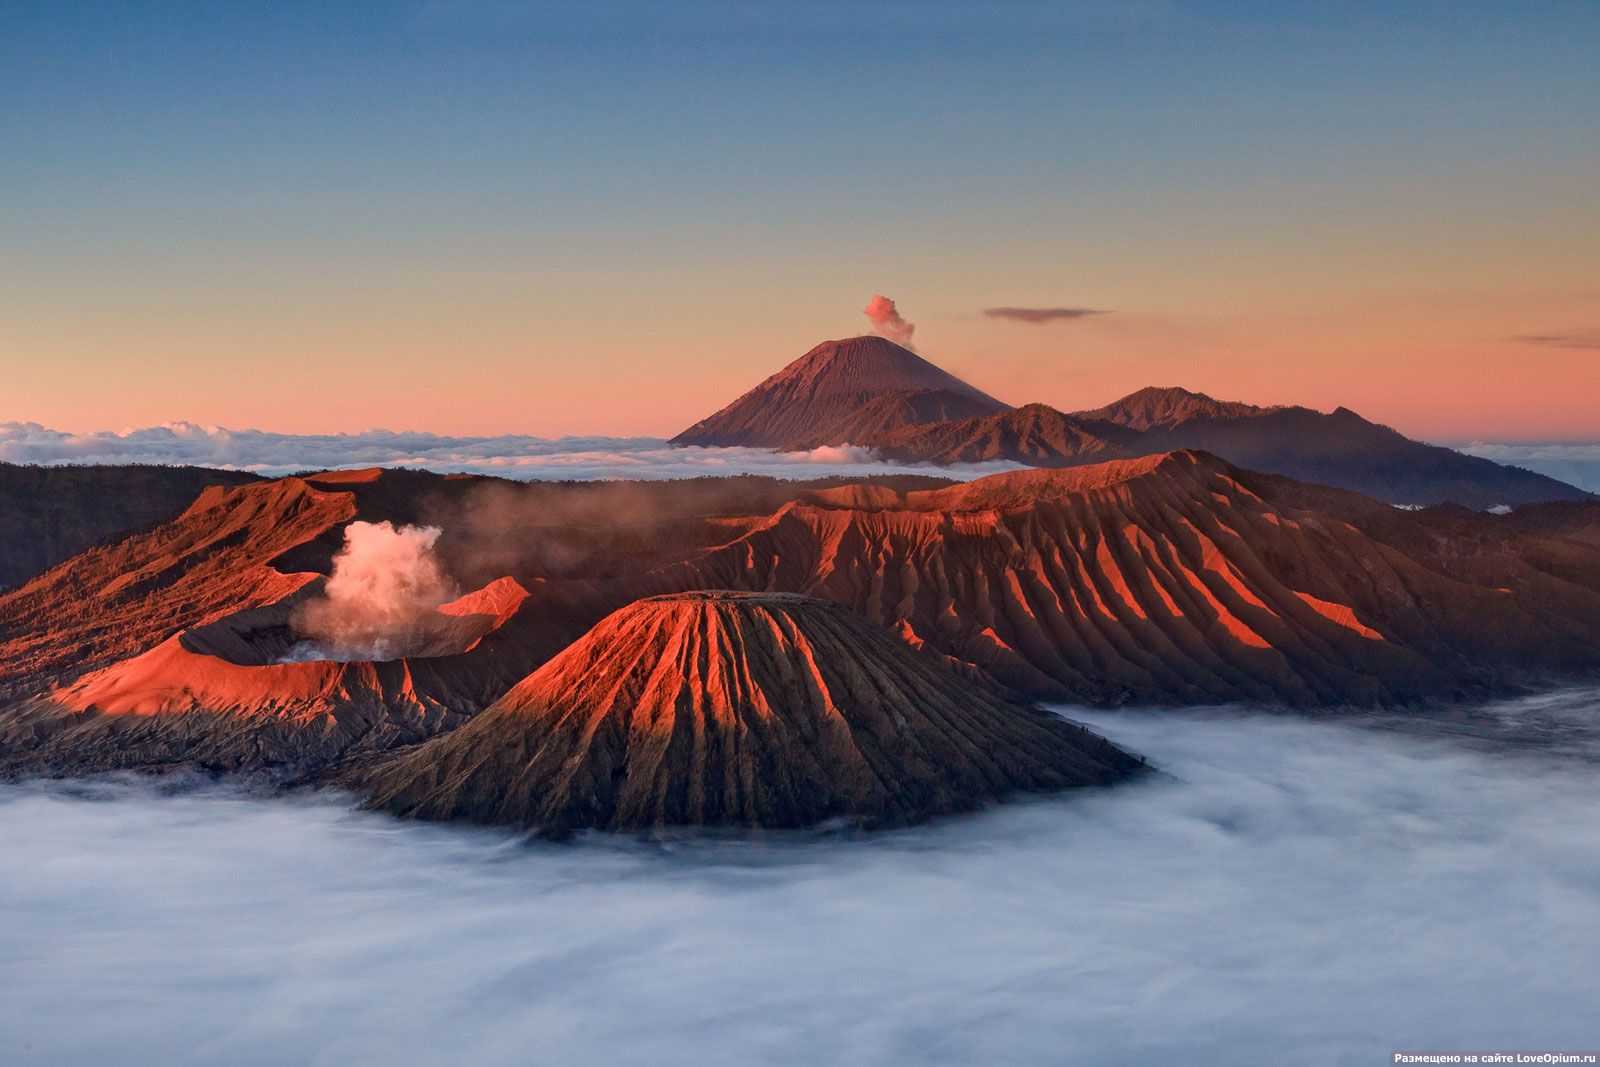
x=1297, y=893
x=508, y=456
x=1574, y=462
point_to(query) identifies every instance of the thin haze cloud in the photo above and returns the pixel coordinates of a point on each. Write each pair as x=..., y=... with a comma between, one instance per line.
x=1295, y=892
x=1589, y=338
x=1040, y=316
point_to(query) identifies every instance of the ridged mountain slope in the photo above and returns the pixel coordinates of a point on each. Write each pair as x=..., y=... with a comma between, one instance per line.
x=742, y=709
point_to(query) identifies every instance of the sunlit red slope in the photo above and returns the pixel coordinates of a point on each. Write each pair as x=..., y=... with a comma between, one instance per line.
x=120, y=599
x=719, y=708
x=1174, y=579
x=1182, y=579
x=216, y=697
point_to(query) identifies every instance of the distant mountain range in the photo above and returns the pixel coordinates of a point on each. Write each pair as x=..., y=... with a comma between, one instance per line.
x=870, y=392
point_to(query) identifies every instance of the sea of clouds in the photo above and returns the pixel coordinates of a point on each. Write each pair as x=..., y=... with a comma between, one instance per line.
x=527, y=457
x=1294, y=892
x=1574, y=462
x=507, y=455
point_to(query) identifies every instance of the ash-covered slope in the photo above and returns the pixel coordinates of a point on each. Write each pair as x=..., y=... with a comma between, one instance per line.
x=838, y=391
x=1340, y=449
x=737, y=709
x=48, y=514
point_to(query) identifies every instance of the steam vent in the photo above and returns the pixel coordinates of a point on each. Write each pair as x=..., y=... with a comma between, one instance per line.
x=737, y=709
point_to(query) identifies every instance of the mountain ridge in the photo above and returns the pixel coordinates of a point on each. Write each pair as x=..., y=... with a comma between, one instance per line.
x=817, y=399
x=870, y=393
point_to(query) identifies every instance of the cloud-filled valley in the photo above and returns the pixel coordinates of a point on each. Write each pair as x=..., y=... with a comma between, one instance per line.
x=507, y=455
x=523, y=456
x=1576, y=462
x=1295, y=891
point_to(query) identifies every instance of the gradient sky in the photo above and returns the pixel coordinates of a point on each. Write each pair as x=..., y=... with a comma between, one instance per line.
x=482, y=217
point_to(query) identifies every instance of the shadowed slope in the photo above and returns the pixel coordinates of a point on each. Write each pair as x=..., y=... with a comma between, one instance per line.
x=1157, y=408
x=1340, y=448
x=48, y=514
x=720, y=708
x=837, y=391
x=1034, y=433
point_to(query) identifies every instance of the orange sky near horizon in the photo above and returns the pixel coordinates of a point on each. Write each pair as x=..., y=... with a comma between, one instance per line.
x=1436, y=368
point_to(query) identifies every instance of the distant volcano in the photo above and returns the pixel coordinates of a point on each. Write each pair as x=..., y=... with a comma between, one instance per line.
x=870, y=392
x=742, y=709
x=839, y=392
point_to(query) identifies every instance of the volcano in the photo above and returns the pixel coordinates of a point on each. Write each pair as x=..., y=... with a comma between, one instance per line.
x=222, y=697
x=838, y=392
x=1174, y=579
x=738, y=709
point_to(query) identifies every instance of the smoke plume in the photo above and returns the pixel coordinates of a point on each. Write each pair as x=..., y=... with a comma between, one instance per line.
x=378, y=602
x=887, y=321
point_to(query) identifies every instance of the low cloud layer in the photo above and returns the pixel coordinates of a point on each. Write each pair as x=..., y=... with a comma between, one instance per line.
x=508, y=456
x=1040, y=316
x=1295, y=892
x=1587, y=338
x=1574, y=462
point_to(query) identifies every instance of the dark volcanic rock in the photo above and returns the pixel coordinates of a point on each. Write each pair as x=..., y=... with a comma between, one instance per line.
x=741, y=709
x=50, y=513
x=1339, y=448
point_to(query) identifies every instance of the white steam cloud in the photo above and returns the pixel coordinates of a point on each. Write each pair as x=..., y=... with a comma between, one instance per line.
x=380, y=599
x=1296, y=892
x=887, y=321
